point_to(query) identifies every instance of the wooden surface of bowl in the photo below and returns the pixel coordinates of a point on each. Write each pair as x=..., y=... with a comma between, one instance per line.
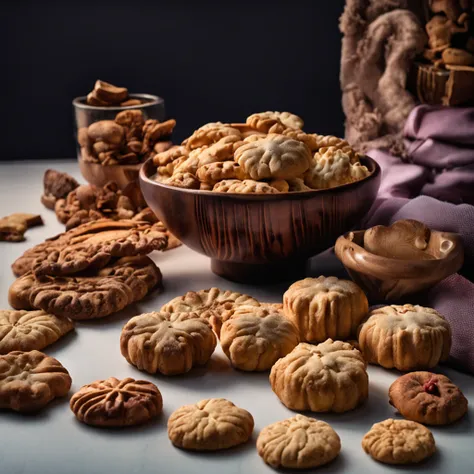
x=260, y=238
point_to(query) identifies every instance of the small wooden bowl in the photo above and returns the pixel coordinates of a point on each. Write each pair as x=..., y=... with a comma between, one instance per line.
x=390, y=279
x=260, y=238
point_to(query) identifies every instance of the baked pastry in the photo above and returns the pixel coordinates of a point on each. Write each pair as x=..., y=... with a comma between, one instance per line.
x=298, y=443
x=274, y=122
x=213, y=172
x=209, y=134
x=405, y=337
x=399, y=442
x=431, y=399
x=210, y=425
x=330, y=376
x=30, y=330
x=117, y=403
x=254, y=338
x=30, y=380
x=167, y=343
x=248, y=186
x=214, y=305
x=325, y=307
x=14, y=226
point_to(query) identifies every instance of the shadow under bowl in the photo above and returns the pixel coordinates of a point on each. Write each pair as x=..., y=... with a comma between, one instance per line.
x=255, y=238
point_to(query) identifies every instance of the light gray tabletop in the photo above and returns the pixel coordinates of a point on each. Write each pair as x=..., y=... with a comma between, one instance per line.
x=54, y=442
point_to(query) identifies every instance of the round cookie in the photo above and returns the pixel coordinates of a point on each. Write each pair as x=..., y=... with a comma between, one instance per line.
x=399, y=442
x=30, y=380
x=427, y=398
x=325, y=307
x=298, y=443
x=254, y=338
x=30, y=330
x=274, y=122
x=210, y=425
x=405, y=337
x=167, y=343
x=330, y=376
x=117, y=403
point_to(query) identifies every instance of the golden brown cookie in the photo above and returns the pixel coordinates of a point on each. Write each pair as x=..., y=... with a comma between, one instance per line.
x=214, y=305
x=30, y=330
x=210, y=425
x=325, y=307
x=214, y=172
x=182, y=180
x=254, y=338
x=167, y=343
x=343, y=146
x=30, y=380
x=298, y=443
x=296, y=185
x=405, y=337
x=14, y=226
x=399, y=442
x=209, y=134
x=247, y=186
x=280, y=184
x=309, y=139
x=330, y=376
x=117, y=403
x=431, y=399
x=274, y=122
x=325, y=141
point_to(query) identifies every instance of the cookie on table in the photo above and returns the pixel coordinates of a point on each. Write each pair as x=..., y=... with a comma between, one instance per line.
x=30, y=380
x=30, y=330
x=117, y=403
x=214, y=305
x=254, y=338
x=298, y=443
x=428, y=398
x=14, y=226
x=399, y=442
x=405, y=337
x=325, y=307
x=274, y=122
x=328, y=377
x=167, y=343
x=210, y=425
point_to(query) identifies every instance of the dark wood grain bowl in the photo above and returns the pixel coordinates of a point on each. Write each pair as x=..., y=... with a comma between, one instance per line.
x=260, y=238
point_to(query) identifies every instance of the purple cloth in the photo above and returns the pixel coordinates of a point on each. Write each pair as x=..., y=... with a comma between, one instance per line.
x=440, y=167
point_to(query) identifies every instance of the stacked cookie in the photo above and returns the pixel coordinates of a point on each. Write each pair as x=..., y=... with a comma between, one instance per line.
x=268, y=154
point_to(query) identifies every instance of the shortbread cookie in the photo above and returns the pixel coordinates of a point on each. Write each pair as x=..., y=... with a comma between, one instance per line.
x=325, y=307
x=14, y=226
x=325, y=141
x=167, y=343
x=274, y=122
x=170, y=155
x=343, y=146
x=30, y=330
x=210, y=425
x=254, y=338
x=30, y=380
x=209, y=134
x=331, y=376
x=428, y=398
x=405, y=337
x=214, y=172
x=298, y=443
x=296, y=185
x=275, y=156
x=214, y=305
x=117, y=403
x=399, y=442
x=248, y=186
x=309, y=139
x=281, y=185
x=182, y=180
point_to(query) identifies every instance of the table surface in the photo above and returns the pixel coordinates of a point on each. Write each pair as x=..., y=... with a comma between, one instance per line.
x=53, y=441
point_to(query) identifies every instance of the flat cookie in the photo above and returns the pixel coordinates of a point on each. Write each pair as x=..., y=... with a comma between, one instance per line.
x=210, y=425
x=117, y=403
x=274, y=122
x=14, y=226
x=399, y=442
x=428, y=398
x=298, y=443
x=331, y=376
x=30, y=330
x=213, y=172
x=167, y=343
x=30, y=380
x=209, y=134
x=182, y=180
x=248, y=186
x=254, y=338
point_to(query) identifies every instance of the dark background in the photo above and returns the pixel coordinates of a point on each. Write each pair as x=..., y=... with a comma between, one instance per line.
x=210, y=60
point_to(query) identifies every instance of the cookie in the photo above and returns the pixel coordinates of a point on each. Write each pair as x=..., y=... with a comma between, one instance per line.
x=298, y=443
x=399, y=442
x=170, y=155
x=275, y=156
x=213, y=172
x=30, y=330
x=248, y=186
x=254, y=338
x=274, y=122
x=405, y=337
x=182, y=180
x=343, y=146
x=431, y=399
x=56, y=185
x=325, y=307
x=330, y=376
x=214, y=305
x=117, y=403
x=14, y=226
x=30, y=380
x=210, y=425
x=167, y=343
x=309, y=139
x=209, y=134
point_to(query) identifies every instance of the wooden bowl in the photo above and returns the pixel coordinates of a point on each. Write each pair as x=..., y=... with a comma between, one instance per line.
x=260, y=238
